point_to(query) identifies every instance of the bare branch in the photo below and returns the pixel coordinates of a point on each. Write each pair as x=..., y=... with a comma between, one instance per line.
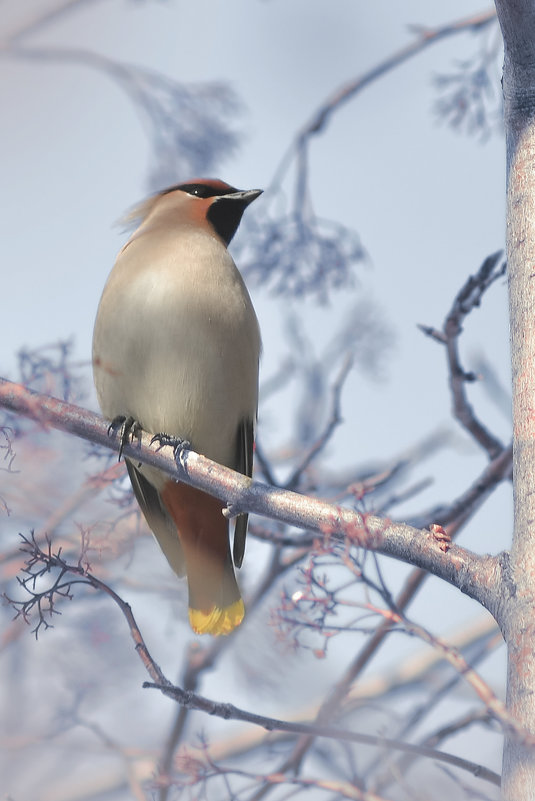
x=467, y=299
x=333, y=422
x=202, y=659
x=458, y=511
x=475, y=717
x=387, y=684
x=40, y=562
x=425, y=37
x=473, y=574
x=496, y=471
x=201, y=771
x=342, y=687
x=496, y=707
x=231, y=712
x=48, y=16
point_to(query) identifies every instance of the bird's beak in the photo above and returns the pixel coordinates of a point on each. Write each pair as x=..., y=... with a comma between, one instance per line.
x=245, y=197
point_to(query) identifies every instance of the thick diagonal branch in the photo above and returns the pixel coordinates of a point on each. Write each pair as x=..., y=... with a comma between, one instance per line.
x=475, y=575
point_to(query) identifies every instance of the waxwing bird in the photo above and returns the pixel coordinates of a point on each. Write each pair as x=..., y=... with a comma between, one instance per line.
x=176, y=347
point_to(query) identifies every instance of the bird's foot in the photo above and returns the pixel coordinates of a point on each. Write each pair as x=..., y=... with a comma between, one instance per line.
x=176, y=443
x=127, y=427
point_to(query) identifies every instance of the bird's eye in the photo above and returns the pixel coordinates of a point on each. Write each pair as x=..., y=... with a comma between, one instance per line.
x=204, y=190
x=198, y=190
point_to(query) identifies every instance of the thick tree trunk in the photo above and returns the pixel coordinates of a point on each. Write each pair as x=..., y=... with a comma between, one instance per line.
x=517, y=20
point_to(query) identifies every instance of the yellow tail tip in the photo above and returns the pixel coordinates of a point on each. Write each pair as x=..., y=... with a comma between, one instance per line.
x=217, y=621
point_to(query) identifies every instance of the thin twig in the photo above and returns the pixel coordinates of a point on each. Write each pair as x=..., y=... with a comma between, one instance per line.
x=340, y=690
x=47, y=17
x=228, y=711
x=191, y=700
x=333, y=422
x=425, y=37
x=467, y=299
x=426, y=708
x=199, y=661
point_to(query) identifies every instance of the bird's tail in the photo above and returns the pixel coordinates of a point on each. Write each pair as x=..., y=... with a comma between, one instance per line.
x=215, y=603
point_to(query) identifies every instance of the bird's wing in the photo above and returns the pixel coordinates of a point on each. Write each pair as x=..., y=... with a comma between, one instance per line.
x=244, y=464
x=158, y=519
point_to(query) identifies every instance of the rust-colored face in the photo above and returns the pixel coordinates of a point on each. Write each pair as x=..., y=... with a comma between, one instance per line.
x=217, y=203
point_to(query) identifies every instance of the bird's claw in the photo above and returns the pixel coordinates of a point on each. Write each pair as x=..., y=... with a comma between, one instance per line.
x=176, y=443
x=127, y=427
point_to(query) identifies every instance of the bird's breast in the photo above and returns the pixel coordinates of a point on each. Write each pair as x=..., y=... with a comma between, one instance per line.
x=176, y=342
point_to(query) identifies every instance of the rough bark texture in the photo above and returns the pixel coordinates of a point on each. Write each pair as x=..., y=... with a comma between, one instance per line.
x=517, y=20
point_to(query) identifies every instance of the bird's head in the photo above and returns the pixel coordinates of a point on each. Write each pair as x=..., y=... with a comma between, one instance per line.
x=204, y=201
